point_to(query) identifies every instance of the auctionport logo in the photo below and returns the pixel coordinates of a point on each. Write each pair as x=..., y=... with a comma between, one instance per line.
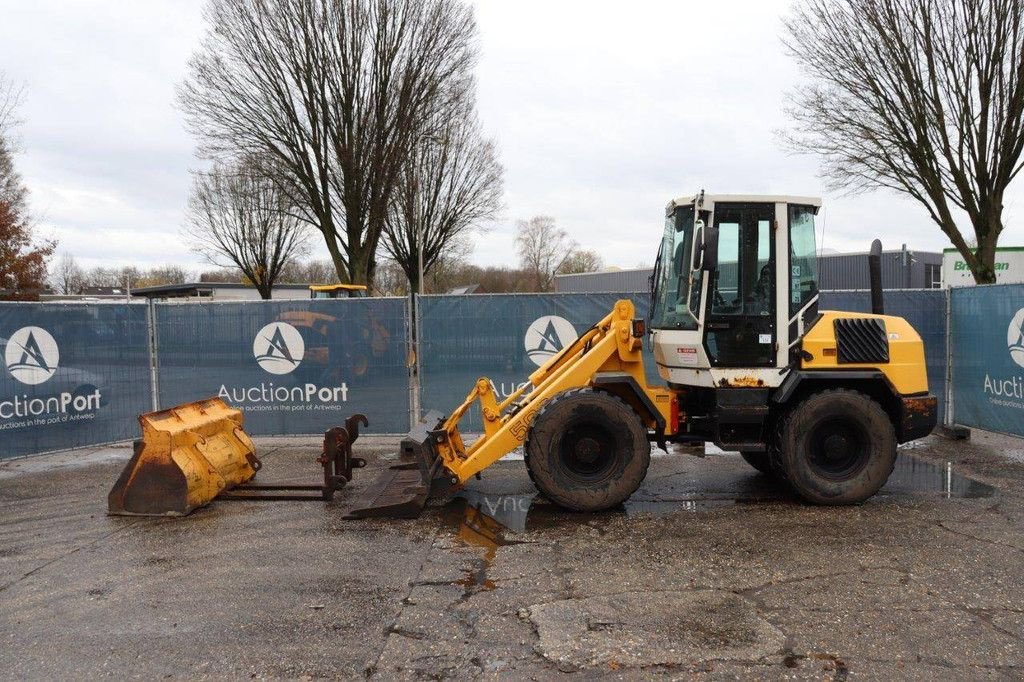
x=1015, y=338
x=1007, y=391
x=31, y=355
x=278, y=348
x=548, y=336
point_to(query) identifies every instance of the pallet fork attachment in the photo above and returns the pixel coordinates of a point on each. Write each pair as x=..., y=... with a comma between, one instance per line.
x=336, y=460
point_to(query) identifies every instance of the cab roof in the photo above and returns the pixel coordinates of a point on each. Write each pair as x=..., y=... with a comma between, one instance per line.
x=747, y=199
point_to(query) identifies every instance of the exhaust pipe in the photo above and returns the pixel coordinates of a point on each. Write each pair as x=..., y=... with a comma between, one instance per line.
x=875, y=270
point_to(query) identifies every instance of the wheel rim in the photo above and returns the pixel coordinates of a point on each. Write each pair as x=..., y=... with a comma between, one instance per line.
x=587, y=452
x=839, y=448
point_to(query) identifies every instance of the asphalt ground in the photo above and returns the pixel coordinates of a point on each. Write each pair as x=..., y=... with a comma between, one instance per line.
x=711, y=571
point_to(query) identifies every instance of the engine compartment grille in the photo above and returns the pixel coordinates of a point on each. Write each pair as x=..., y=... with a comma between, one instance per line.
x=861, y=340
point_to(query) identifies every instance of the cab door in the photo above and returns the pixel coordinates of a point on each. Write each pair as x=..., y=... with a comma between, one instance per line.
x=740, y=320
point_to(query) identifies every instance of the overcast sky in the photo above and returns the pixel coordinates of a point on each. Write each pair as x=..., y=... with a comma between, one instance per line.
x=602, y=112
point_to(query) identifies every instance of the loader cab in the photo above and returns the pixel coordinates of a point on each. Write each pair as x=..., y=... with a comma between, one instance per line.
x=734, y=287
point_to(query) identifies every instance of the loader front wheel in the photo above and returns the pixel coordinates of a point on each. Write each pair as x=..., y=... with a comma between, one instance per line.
x=587, y=450
x=837, y=447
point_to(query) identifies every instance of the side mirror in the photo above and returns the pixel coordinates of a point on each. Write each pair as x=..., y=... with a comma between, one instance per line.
x=709, y=261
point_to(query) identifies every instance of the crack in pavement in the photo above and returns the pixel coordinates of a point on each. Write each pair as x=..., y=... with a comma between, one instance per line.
x=963, y=534
x=391, y=629
x=127, y=525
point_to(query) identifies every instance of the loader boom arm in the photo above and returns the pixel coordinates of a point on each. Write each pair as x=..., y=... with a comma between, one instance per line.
x=612, y=345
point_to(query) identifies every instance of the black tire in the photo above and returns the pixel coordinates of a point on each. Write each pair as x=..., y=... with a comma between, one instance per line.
x=837, y=447
x=587, y=450
x=760, y=461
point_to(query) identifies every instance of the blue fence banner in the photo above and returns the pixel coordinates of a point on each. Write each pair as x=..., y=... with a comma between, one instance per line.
x=74, y=375
x=924, y=309
x=293, y=367
x=987, y=352
x=79, y=374
x=504, y=337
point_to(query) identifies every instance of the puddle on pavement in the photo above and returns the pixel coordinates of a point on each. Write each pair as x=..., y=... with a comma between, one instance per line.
x=482, y=520
x=914, y=475
x=490, y=521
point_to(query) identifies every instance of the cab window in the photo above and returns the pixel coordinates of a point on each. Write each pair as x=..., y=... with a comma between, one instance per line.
x=803, y=258
x=672, y=274
x=745, y=281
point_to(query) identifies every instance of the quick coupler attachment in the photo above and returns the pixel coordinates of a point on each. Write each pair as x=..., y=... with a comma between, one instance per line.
x=402, y=490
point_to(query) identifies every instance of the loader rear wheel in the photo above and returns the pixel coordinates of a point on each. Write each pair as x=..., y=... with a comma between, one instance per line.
x=837, y=447
x=587, y=450
x=760, y=461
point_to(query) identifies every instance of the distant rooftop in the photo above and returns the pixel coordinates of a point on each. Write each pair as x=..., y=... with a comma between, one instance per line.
x=209, y=289
x=467, y=289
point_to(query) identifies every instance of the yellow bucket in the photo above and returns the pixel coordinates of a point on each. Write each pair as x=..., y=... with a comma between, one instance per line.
x=187, y=455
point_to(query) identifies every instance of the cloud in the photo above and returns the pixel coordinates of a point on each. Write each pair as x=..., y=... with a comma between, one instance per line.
x=603, y=112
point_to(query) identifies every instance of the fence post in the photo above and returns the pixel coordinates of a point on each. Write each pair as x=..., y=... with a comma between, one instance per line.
x=413, y=351
x=151, y=339
x=947, y=418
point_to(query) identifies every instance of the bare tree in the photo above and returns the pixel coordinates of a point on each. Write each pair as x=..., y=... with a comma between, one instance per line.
x=332, y=94
x=309, y=272
x=451, y=185
x=159, y=275
x=925, y=97
x=66, y=276
x=391, y=279
x=581, y=260
x=113, y=277
x=543, y=249
x=237, y=217
x=132, y=277
x=10, y=99
x=226, y=275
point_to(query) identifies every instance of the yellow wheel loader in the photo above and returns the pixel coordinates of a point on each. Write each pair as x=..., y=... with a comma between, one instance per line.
x=750, y=364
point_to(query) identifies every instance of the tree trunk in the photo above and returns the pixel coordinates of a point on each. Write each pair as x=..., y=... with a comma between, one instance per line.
x=988, y=224
x=358, y=263
x=337, y=260
x=985, y=271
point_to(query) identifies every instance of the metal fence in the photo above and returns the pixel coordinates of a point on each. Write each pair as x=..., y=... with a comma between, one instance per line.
x=987, y=354
x=75, y=375
x=502, y=336
x=78, y=374
x=292, y=366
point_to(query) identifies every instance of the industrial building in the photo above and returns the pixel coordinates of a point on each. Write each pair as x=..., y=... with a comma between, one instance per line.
x=901, y=269
x=220, y=291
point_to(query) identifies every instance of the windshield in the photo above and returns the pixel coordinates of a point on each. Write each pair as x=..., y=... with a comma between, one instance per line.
x=672, y=273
